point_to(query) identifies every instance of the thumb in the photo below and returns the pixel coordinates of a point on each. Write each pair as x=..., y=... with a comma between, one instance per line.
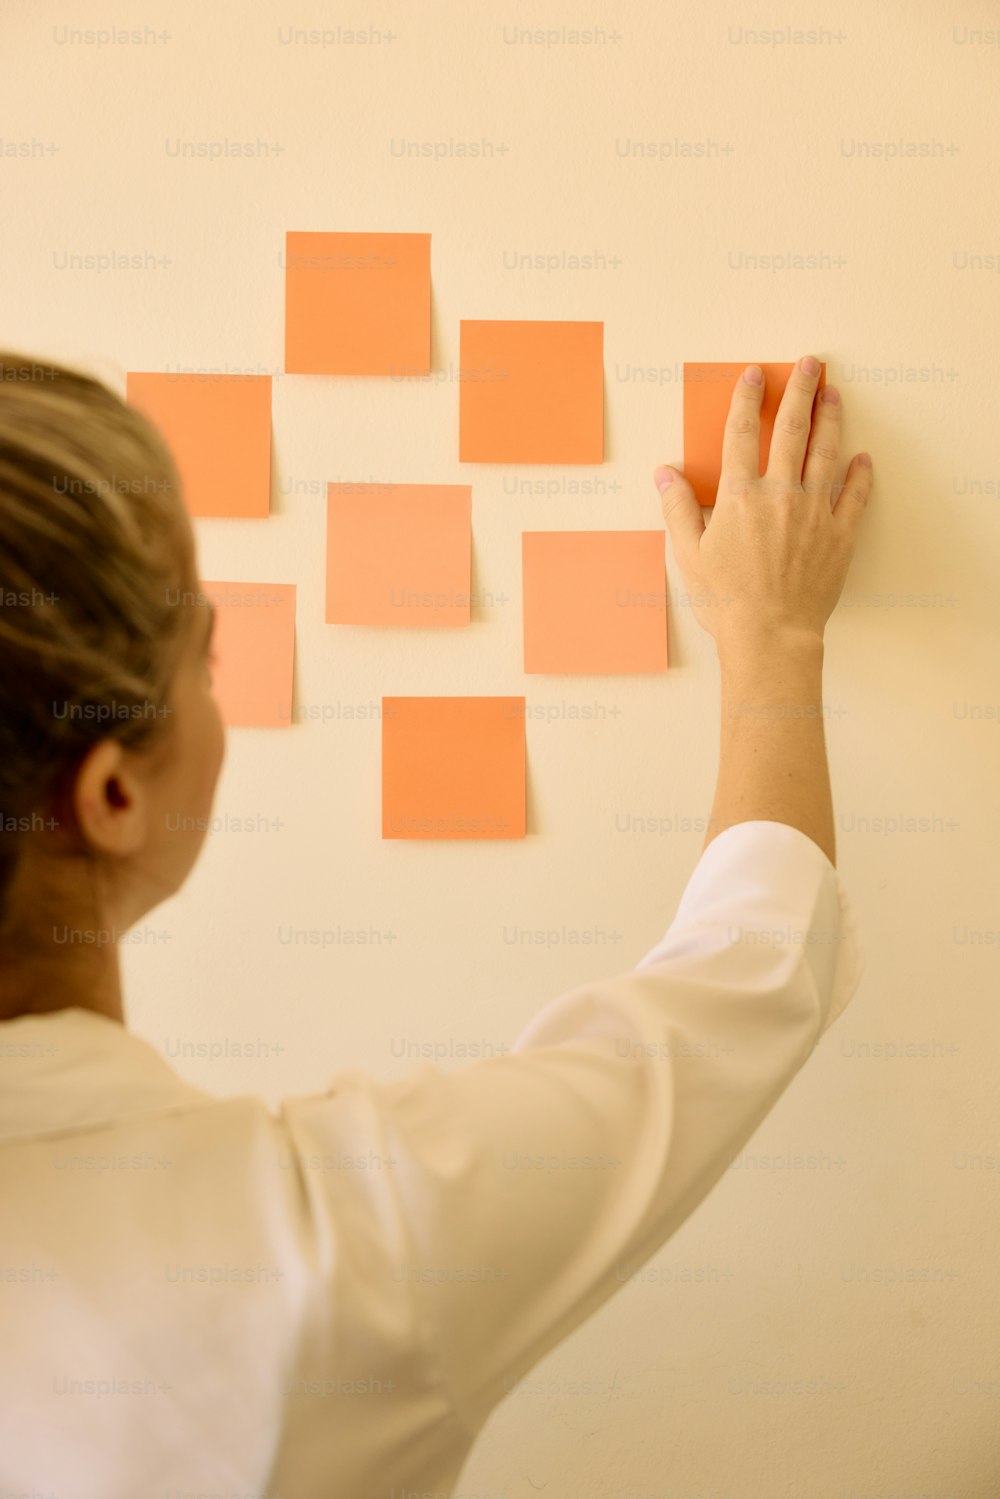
x=681, y=510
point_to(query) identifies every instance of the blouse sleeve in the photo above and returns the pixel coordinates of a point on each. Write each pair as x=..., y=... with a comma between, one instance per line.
x=522, y=1183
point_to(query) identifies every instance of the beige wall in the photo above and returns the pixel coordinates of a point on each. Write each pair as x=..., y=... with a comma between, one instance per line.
x=894, y=1159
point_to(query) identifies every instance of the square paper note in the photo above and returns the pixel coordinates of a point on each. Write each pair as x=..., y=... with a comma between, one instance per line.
x=218, y=428
x=453, y=767
x=398, y=554
x=708, y=393
x=594, y=601
x=357, y=304
x=531, y=392
x=254, y=649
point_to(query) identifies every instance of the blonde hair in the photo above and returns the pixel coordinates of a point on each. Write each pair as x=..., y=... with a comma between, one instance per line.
x=94, y=544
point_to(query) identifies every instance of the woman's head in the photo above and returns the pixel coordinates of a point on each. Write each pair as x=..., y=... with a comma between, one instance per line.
x=110, y=737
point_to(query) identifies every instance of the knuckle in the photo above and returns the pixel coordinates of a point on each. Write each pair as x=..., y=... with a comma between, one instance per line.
x=825, y=448
x=741, y=424
x=793, y=423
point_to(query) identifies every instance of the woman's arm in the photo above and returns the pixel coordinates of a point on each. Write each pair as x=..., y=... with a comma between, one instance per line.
x=518, y=1193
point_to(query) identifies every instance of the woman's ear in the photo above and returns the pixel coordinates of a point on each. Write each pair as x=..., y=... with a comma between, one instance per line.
x=109, y=801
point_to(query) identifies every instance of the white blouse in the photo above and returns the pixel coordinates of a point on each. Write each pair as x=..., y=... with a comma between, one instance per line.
x=198, y=1296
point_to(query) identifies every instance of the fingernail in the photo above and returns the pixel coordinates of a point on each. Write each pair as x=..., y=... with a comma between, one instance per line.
x=663, y=477
x=831, y=394
x=864, y=460
x=753, y=374
x=809, y=365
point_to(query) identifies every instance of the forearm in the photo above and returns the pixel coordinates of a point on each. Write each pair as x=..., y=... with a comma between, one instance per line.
x=772, y=758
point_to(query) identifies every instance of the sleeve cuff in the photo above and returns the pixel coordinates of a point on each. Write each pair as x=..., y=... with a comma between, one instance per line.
x=768, y=884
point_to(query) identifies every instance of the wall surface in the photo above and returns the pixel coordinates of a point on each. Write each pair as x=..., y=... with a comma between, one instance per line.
x=826, y=1325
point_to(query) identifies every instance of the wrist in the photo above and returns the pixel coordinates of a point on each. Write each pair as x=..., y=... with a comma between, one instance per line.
x=771, y=646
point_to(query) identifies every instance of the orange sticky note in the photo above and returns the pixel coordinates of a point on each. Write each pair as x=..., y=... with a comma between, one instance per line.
x=708, y=394
x=357, y=304
x=254, y=650
x=594, y=601
x=398, y=554
x=453, y=767
x=218, y=428
x=531, y=392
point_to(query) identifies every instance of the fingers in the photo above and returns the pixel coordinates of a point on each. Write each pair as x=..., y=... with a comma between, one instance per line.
x=741, y=439
x=824, y=444
x=852, y=502
x=792, y=423
x=681, y=511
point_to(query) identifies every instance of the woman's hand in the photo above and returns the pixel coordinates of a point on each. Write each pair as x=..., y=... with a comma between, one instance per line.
x=773, y=558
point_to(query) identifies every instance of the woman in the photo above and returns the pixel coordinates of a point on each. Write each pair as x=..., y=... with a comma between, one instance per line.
x=357, y=1361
